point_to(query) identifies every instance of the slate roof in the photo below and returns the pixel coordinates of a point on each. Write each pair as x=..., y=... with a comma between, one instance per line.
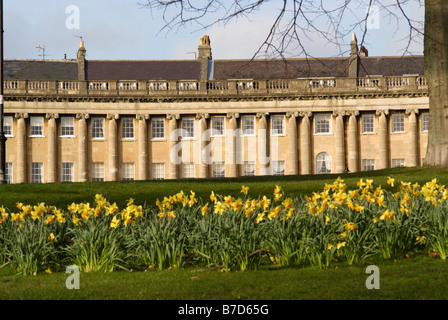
x=40, y=69
x=222, y=69
x=143, y=70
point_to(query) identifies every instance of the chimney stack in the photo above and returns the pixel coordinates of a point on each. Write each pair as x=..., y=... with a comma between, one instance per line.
x=81, y=61
x=354, y=58
x=204, y=56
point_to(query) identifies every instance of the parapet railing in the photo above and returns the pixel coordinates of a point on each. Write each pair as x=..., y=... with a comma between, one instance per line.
x=305, y=86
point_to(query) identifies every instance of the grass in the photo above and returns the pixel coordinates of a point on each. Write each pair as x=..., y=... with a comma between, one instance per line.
x=415, y=278
x=419, y=278
x=63, y=194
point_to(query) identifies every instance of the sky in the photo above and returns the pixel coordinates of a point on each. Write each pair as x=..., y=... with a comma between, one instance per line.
x=123, y=30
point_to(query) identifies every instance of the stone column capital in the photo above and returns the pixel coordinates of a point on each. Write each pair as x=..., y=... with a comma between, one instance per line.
x=340, y=113
x=410, y=111
x=114, y=116
x=173, y=116
x=142, y=116
x=52, y=116
x=260, y=115
x=84, y=116
x=201, y=116
x=21, y=115
x=293, y=114
x=305, y=114
x=353, y=113
x=233, y=115
x=384, y=112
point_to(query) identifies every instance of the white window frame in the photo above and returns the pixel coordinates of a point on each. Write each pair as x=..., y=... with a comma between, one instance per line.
x=158, y=128
x=67, y=172
x=9, y=172
x=128, y=171
x=218, y=132
x=425, y=121
x=368, y=164
x=398, y=163
x=8, y=123
x=127, y=128
x=328, y=159
x=278, y=125
x=158, y=171
x=397, y=125
x=324, y=117
x=218, y=169
x=98, y=128
x=248, y=168
x=278, y=168
x=36, y=126
x=188, y=128
x=67, y=126
x=368, y=123
x=37, y=172
x=188, y=170
x=98, y=171
x=248, y=125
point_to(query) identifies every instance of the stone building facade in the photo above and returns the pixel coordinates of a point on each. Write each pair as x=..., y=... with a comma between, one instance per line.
x=92, y=120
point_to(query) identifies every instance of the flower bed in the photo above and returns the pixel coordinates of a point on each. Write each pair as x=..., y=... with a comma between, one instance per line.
x=230, y=233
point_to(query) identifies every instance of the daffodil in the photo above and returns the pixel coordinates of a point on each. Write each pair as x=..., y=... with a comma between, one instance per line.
x=260, y=217
x=204, y=209
x=244, y=190
x=115, y=222
x=390, y=181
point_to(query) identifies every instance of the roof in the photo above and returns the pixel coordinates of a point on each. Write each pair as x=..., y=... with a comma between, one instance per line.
x=222, y=69
x=143, y=70
x=41, y=69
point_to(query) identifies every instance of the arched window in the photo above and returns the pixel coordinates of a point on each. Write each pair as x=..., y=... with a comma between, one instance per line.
x=323, y=163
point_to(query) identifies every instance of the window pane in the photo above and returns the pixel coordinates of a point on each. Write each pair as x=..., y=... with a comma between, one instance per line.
x=277, y=125
x=398, y=163
x=249, y=168
x=97, y=128
x=67, y=126
x=425, y=121
x=8, y=172
x=37, y=126
x=323, y=163
x=188, y=128
x=128, y=172
x=187, y=170
x=322, y=123
x=368, y=164
x=37, y=172
x=278, y=168
x=158, y=171
x=7, y=126
x=127, y=128
x=67, y=172
x=248, y=125
x=398, y=122
x=158, y=128
x=368, y=123
x=98, y=172
x=218, y=126
x=219, y=169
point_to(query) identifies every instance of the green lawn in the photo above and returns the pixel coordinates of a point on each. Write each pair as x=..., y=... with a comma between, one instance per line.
x=63, y=194
x=418, y=277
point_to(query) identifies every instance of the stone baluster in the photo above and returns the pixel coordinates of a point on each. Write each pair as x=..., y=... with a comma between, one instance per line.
x=293, y=166
x=82, y=147
x=204, y=137
x=143, y=146
x=413, y=138
x=305, y=143
x=113, y=146
x=353, y=153
x=173, y=152
x=21, y=147
x=383, y=139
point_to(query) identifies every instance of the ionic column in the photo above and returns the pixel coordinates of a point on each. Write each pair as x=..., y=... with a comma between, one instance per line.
x=413, y=137
x=353, y=154
x=204, y=161
x=383, y=139
x=21, y=147
x=173, y=164
x=52, y=151
x=142, y=146
x=305, y=142
x=340, y=141
x=231, y=144
x=263, y=159
x=293, y=166
x=82, y=147
x=113, y=147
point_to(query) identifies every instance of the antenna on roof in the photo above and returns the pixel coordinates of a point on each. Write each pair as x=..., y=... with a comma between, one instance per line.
x=42, y=49
x=195, y=56
x=80, y=37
